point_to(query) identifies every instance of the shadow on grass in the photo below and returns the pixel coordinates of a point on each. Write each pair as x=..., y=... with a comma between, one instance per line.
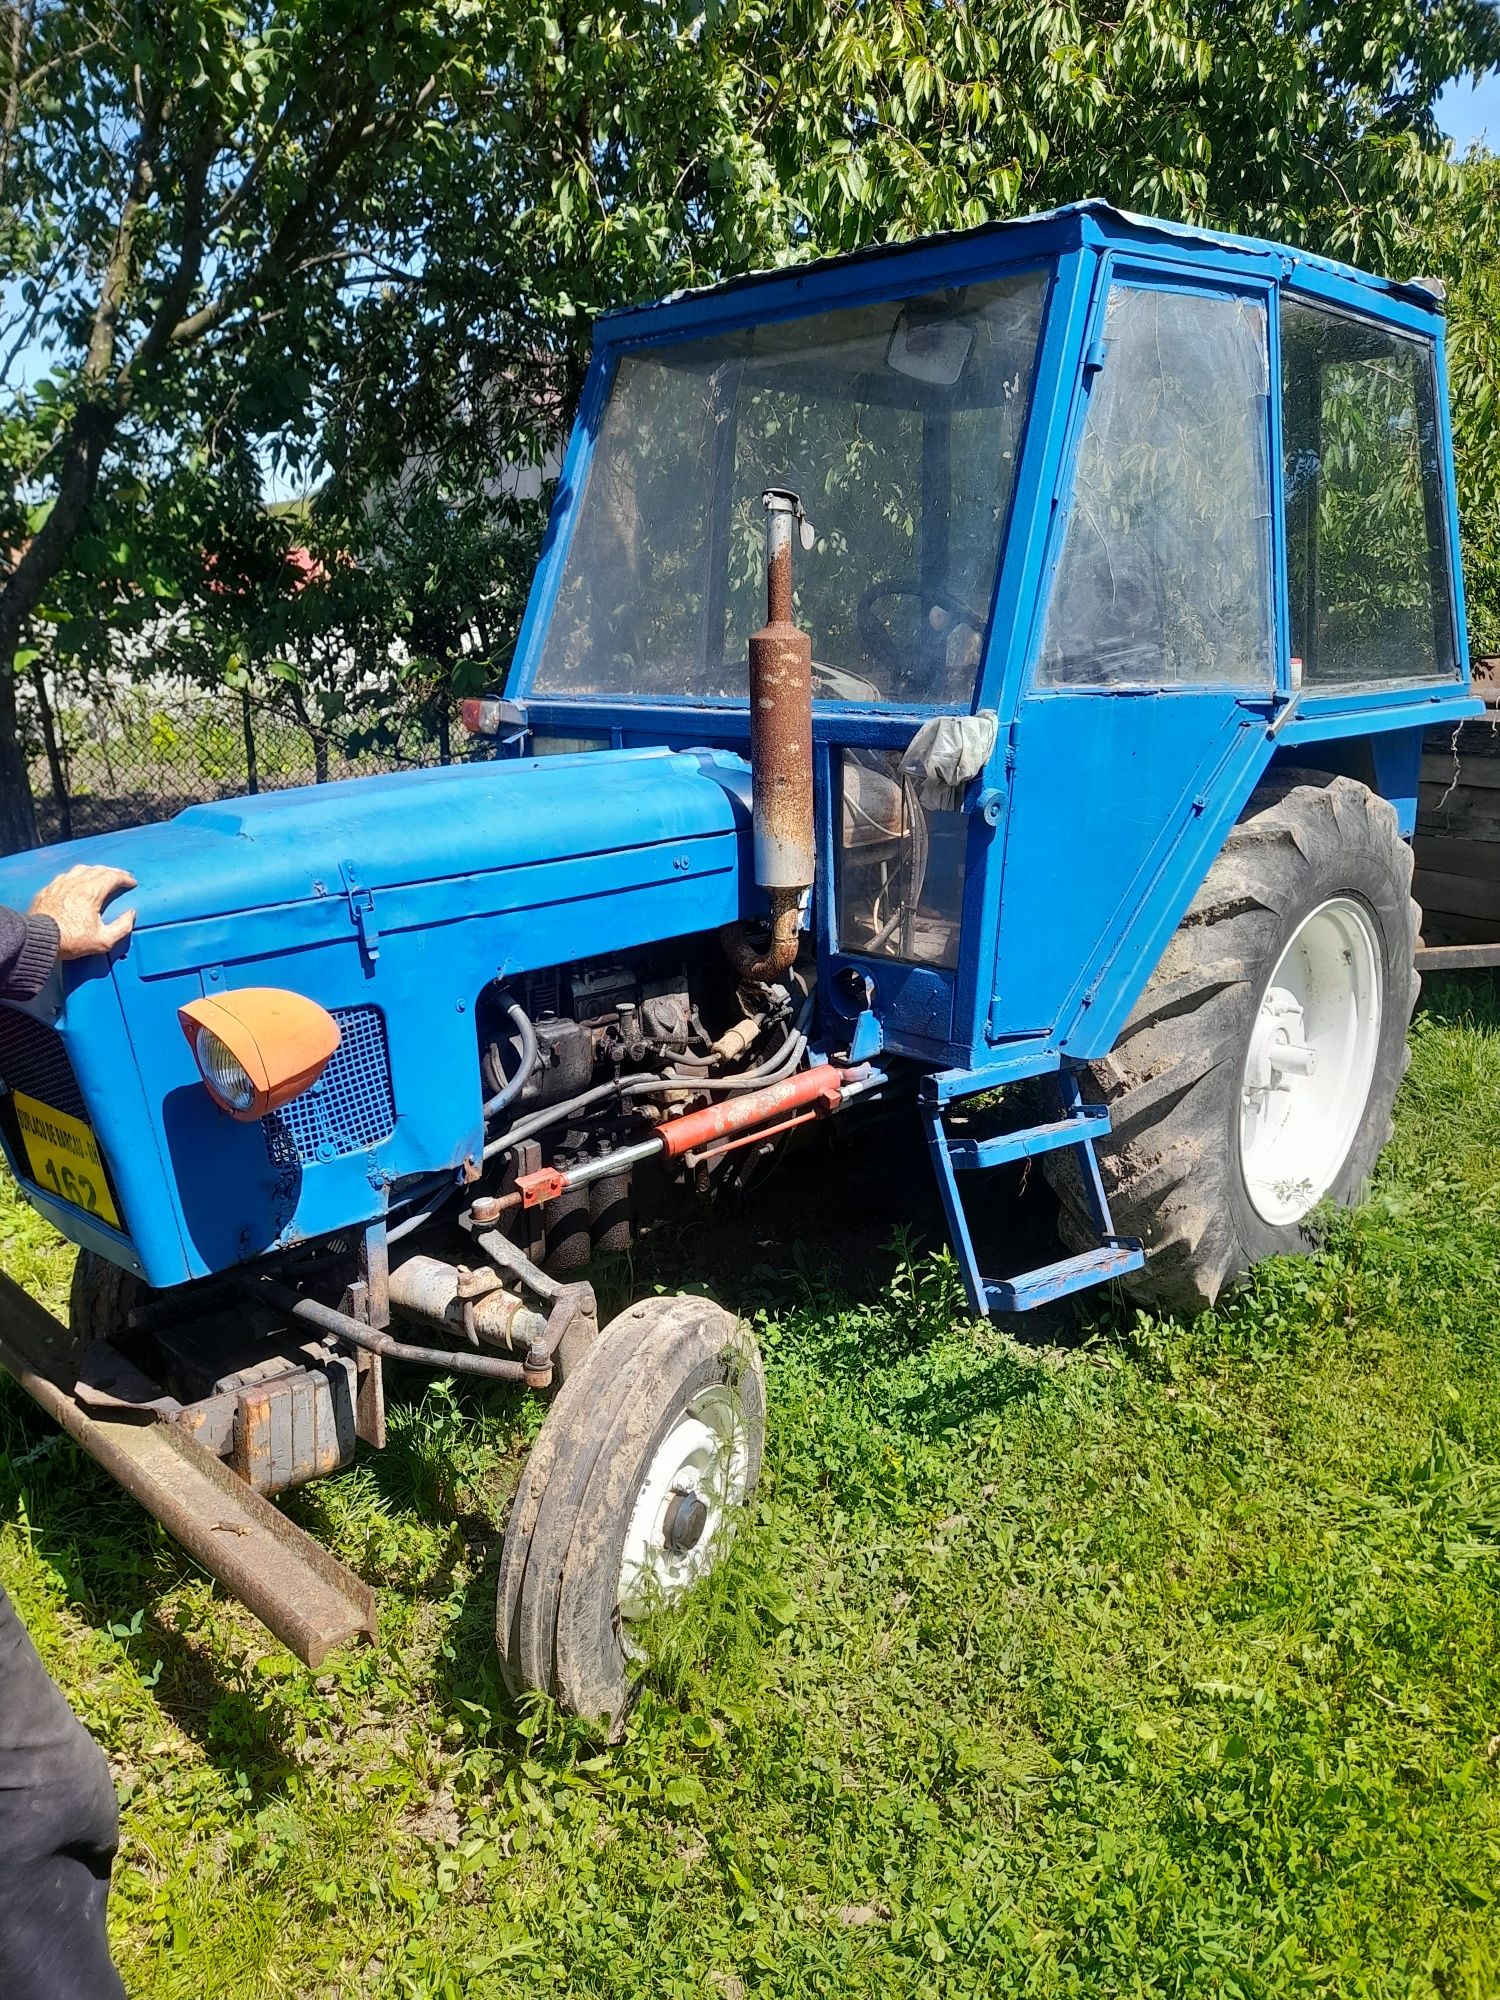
x=117, y=1567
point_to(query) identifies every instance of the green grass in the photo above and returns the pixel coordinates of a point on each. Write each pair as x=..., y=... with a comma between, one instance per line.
x=1167, y=1664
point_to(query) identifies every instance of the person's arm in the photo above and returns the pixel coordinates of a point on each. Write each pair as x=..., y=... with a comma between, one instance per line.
x=28, y=952
x=65, y=921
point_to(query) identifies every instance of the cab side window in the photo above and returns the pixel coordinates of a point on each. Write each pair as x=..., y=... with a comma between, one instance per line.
x=1367, y=525
x=1165, y=573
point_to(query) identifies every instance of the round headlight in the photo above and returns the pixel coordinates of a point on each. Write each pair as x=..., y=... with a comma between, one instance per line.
x=258, y=1047
x=225, y=1076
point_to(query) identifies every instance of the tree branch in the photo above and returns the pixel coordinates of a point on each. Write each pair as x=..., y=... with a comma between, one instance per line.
x=183, y=281
x=353, y=134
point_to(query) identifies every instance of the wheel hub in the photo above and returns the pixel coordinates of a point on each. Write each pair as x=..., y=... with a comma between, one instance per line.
x=686, y=1518
x=1278, y=1052
x=1310, y=1061
x=697, y=1479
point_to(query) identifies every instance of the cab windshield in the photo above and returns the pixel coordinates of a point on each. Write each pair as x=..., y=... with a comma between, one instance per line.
x=898, y=424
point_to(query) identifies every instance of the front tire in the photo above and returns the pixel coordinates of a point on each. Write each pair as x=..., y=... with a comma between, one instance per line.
x=630, y=1495
x=1257, y=1073
x=100, y=1301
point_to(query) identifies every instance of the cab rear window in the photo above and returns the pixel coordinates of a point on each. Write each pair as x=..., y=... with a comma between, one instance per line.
x=1368, y=560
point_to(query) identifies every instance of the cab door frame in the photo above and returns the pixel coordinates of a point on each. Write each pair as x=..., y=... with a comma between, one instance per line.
x=1080, y=1015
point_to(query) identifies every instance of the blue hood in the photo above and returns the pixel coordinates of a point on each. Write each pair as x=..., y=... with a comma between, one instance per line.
x=407, y=827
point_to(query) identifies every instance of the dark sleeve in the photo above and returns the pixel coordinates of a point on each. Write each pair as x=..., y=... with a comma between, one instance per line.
x=28, y=952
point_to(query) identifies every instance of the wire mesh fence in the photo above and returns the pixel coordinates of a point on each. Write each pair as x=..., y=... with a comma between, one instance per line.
x=140, y=751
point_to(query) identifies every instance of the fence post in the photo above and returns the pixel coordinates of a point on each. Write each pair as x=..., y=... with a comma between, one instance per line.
x=55, y=768
x=247, y=723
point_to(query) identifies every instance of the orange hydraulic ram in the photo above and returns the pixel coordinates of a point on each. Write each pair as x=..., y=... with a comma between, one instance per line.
x=718, y=1128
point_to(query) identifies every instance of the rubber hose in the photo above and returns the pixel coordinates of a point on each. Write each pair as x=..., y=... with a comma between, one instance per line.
x=527, y=1064
x=781, y=1064
x=538, y=1121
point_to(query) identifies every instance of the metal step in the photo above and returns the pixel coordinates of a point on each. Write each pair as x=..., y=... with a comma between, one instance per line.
x=969, y=1154
x=1078, y=1127
x=295, y=1586
x=1068, y=1274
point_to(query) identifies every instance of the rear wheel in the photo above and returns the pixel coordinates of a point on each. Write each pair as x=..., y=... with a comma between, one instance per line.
x=1257, y=1073
x=631, y=1493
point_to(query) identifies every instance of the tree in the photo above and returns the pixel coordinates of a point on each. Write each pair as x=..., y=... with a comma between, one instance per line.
x=631, y=150
x=1461, y=246
x=373, y=237
x=186, y=190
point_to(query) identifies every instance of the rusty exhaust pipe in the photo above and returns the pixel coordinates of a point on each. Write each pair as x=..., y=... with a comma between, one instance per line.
x=780, y=756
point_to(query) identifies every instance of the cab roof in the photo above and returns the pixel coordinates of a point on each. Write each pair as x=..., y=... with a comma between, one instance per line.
x=1093, y=223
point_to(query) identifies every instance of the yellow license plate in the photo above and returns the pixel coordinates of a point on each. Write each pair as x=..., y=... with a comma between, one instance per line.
x=64, y=1157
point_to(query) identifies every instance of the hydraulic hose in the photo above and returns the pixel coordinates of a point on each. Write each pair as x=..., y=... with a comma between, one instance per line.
x=424, y=1214
x=511, y=1090
x=538, y=1121
x=781, y=1064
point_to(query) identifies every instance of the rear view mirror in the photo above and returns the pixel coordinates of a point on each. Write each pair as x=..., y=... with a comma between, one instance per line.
x=930, y=347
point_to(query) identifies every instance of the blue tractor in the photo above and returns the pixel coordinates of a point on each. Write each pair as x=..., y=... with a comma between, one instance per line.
x=991, y=670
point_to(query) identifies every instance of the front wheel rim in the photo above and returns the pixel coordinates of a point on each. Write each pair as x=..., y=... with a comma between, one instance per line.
x=1311, y=1061
x=685, y=1506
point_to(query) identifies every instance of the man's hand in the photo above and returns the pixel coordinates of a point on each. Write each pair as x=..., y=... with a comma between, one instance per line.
x=75, y=901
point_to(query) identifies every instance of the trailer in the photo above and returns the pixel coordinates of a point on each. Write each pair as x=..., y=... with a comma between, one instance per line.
x=990, y=673
x=1457, y=846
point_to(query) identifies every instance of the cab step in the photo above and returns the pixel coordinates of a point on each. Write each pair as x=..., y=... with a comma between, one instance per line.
x=1068, y=1274
x=1077, y=1127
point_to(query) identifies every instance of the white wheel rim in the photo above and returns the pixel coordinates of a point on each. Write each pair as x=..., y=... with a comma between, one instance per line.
x=1311, y=1061
x=703, y=1461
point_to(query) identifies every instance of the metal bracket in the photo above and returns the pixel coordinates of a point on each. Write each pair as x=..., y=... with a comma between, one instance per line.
x=1075, y=1128
x=362, y=911
x=567, y=1303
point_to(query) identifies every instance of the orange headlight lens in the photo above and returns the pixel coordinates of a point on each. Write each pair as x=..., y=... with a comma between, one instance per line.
x=259, y=1048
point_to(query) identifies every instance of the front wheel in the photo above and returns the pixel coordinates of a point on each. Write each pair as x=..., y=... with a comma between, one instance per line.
x=1256, y=1075
x=630, y=1495
x=100, y=1301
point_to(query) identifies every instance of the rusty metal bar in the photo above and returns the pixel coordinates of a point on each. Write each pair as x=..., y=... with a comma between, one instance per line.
x=328, y=1319
x=298, y=1589
x=1457, y=957
x=781, y=775
x=780, y=662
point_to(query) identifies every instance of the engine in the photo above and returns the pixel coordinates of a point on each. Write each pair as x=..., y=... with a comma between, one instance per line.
x=578, y=1062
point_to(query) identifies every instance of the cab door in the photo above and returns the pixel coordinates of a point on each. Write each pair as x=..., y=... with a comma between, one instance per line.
x=1154, y=657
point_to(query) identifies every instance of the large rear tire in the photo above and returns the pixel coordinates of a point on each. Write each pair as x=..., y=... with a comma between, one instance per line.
x=1257, y=1073
x=630, y=1495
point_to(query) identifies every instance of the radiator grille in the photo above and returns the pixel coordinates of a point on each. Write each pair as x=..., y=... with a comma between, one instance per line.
x=34, y=1060
x=350, y=1106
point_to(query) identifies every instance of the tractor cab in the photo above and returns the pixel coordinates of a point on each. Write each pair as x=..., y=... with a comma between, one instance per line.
x=897, y=423
x=1043, y=470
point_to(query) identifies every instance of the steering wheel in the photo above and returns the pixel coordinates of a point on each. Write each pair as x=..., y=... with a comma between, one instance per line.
x=876, y=637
